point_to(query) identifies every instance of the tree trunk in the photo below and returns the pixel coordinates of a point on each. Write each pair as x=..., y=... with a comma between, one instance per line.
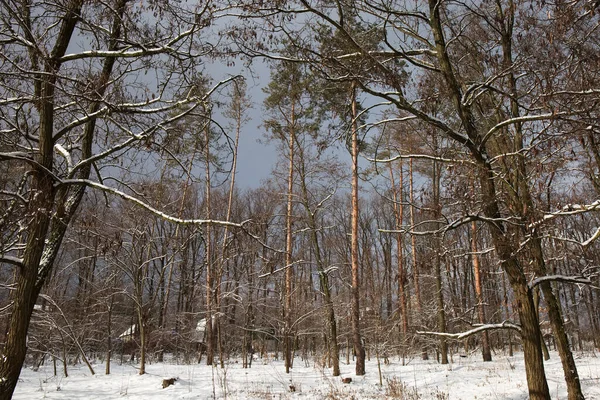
x=485, y=339
x=413, y=240
x=536, y=303
x=355, y=302
x=40, y=207
x=558, y=328
x=143, y=341
x=332, y=345
x=287, y=309
x=437, y=258
x=109, y=335
x=506, y=245
x=530, y=330
x=208, y=332
x=398, y=206
x=508, y=315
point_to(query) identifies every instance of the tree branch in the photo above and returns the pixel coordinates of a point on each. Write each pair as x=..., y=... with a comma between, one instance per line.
x=481, y=328
x=148, y=207
x=11, y=260
x=561, y=278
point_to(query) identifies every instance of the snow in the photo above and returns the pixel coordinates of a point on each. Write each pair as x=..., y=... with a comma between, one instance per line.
x=129, y=332
x=464, y=378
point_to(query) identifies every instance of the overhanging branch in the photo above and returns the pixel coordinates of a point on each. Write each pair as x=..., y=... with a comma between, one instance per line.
x=148, y=207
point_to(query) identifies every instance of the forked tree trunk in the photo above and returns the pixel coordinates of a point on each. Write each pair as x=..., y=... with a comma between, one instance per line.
x=506, y=245
x=554, y=313
x=40, y=206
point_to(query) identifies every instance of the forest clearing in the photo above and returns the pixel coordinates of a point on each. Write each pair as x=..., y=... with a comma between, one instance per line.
x=435, y=182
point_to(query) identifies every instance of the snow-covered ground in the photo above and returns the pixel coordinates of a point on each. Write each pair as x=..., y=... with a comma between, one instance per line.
x=464, y=378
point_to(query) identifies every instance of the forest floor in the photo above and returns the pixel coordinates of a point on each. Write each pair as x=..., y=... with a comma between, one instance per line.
x=464, y=378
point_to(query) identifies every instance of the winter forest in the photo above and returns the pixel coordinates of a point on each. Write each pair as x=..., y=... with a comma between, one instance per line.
x=436, y=190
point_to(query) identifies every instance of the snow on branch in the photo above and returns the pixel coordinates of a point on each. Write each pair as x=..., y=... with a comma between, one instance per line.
x=419, y=156
x=450, y=225
x=569, y=209
x=63, y=152
x=516, y=120
x=561, y=278
x=148, y=207
x=282, y=268
x=592, y=238
x=11, y=260
x=480, y=328
x=15, y=155
x=135, y=52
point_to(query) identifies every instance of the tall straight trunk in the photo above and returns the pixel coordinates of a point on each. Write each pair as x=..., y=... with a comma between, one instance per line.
x=485, y=339
x=439, y=289
x=386, y=249
x=141, y=271
x=437, y=206
x=209, y=334
x=287, y=309
x=355, y=302
x=238, y=117
x=413, y=238
x=413, y=241
x=109, y=334
x=143, y=342
x=398, y=199
x=508, y=315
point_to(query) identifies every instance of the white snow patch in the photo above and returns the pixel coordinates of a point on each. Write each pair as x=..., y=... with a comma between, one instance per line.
x=464, y=378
